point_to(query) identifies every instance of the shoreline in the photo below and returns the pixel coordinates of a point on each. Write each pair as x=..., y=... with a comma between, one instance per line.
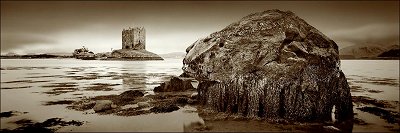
x=116, y=59
x=50, y=56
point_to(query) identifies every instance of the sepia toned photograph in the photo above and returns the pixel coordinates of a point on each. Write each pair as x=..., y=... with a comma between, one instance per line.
x=200, y=66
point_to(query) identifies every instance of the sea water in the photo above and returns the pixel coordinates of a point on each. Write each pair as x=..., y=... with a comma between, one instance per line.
x=22, y=81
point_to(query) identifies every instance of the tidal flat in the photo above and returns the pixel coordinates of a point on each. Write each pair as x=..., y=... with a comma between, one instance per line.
x=63, y=92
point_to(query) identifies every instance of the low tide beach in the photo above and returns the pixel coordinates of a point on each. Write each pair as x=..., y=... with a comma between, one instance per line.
x=39, y=91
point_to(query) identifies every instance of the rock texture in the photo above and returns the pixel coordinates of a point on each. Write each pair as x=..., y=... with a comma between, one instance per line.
x=84, y=54
x=175, y=84
x=164, y=108
x=143, y=104
x=270, y=64
x=131, y=95
x=134, y=55
x=102, y=105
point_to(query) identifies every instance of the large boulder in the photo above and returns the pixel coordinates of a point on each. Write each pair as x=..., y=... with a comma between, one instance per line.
x=270, y=64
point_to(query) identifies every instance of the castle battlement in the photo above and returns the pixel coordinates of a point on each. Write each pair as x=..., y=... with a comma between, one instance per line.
x=134, y=38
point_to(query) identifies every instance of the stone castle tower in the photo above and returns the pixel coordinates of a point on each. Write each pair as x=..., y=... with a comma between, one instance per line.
x=134, y=38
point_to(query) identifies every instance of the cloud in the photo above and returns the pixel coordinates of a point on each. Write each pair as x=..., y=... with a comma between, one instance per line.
x=371, y=34
x=15, y=41
x=172, y=26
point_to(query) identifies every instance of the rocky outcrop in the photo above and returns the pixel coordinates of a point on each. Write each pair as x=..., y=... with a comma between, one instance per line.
x=131, y=94
x=175, y=84
x=84, y=54
x=129, y=54
x=164, y=108
x=103, y=105
x=133, y=46
x=273, y=65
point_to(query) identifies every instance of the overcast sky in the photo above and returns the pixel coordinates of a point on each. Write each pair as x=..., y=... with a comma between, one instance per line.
x=43, y=27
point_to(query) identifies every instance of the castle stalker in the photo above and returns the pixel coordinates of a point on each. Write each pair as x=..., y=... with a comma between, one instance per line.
x=134, y=38
x=133, y=46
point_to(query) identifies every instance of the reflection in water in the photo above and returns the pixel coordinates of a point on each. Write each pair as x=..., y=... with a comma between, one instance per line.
x=165, y=122
x=133, y=81
x=134, y=76
x=143, y=81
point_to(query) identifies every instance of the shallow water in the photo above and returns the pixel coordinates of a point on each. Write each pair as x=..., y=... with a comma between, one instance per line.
x=143, y=75
x=364, y=72
x=27, y=84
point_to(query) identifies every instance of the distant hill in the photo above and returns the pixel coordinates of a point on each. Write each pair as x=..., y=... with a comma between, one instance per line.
x=10, y=54
x=391, y=53
x=175, y=55
x=358, y=51
x=35, y=55
x=367, y=51
x=60, y=54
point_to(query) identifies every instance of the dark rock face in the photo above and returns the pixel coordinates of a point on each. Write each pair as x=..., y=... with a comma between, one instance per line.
x=270, y=64
x=175, y=84
x=131, y=94
x=164, y=108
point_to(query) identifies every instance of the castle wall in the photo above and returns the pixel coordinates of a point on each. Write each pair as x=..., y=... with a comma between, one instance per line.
x=134, y=38
x=127, y=39
x=139, y=35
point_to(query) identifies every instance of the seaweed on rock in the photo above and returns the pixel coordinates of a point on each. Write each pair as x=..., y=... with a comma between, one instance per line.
x=286, y=69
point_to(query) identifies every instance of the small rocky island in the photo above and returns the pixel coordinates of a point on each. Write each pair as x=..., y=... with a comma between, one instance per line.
x=270, y=65
x=84, y=54
x=133, y=46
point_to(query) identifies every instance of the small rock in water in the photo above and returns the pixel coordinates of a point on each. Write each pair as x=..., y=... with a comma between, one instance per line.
x=331, y=129
x=10, y=114
x=143, y=104
x=102, y=105
x=164, y=108
x=175, y=84
x=131, y=94
x=88, y=105
x=114, y=106
x=181, y=100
